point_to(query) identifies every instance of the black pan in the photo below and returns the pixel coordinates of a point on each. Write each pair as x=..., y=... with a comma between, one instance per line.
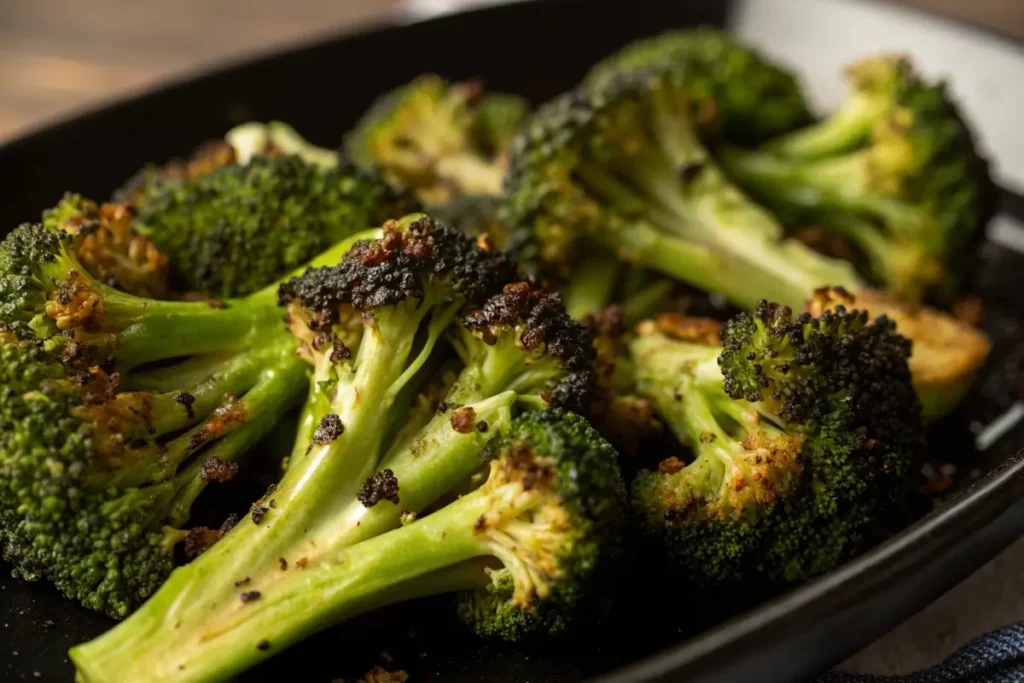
x=662, y=631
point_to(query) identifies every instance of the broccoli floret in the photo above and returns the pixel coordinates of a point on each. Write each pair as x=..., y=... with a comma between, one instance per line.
x=622, y=166
x=130, y=444
x=275, y=139
x=441, y=139
x=525, y=550
x=802, y=431
x=105, y=242
x=95, y=482
x=237, y=228
x=895, y=171
x=740, y=94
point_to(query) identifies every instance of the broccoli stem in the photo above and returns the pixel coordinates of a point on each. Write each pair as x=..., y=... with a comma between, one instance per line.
x=777, y=275
x=179, y=373
x=845, y=129
x=278, y=389
x=837, y=184
x=590, y=286
x=175, y=635
x=434, y=463
x=150, y=330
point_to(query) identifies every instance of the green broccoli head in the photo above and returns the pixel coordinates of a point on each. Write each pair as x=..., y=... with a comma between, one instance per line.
x=94, y=479
x=802, y=429
x=554, y=521
x=895, y=171
x=440, y=139
x=743, y=96
x=236, y=229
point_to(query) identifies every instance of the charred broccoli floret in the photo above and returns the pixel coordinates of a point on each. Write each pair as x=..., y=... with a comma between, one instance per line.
x=120, y=409
x=802, y=431
x=739, y=93
x=895, y=171
x=106, y=243
x=622, y=166
x=95, y=483
x=369, y=326
x=441, y=139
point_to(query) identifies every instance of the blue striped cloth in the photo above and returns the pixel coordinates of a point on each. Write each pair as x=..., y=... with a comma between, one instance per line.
x=996, y=657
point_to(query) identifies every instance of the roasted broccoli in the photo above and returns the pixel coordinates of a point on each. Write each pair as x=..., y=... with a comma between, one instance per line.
x=112, y=251
x=441, y=139
x=369, y=326
x=621, y=166
x=895, y=172
x=739, y=95
x=235, y=229
x=118, y=410
x=802, y=431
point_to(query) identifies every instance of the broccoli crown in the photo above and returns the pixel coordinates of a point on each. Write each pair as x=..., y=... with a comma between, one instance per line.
x=803, y=439
x=438, y=138
x=555, y=522
x=538, y=324
x=548, y=209
x=413, y=255
x=749, y=98
x=59, y=520
x=31, y=258
x=105, y=242
x=238, y=228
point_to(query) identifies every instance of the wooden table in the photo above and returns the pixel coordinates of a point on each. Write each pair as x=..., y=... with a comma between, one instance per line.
x=57, y=56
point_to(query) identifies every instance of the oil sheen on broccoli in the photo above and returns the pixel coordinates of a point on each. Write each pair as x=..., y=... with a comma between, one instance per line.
x=622, y=166
x=802, y=432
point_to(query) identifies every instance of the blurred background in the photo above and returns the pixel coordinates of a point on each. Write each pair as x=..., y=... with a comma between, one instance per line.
x=57, y=56
x=60, y=56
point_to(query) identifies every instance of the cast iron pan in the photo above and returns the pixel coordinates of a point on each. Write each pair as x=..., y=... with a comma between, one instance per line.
x=662, y=630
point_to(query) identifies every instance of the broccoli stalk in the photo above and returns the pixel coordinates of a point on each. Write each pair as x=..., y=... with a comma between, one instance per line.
x=519, y=351
x=525, y=549
x=622, y=166
x=802, y=431
x=895, y=171
x=47, y=293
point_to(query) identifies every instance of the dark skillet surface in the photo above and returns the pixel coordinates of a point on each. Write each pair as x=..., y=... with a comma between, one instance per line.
x=537, y=49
